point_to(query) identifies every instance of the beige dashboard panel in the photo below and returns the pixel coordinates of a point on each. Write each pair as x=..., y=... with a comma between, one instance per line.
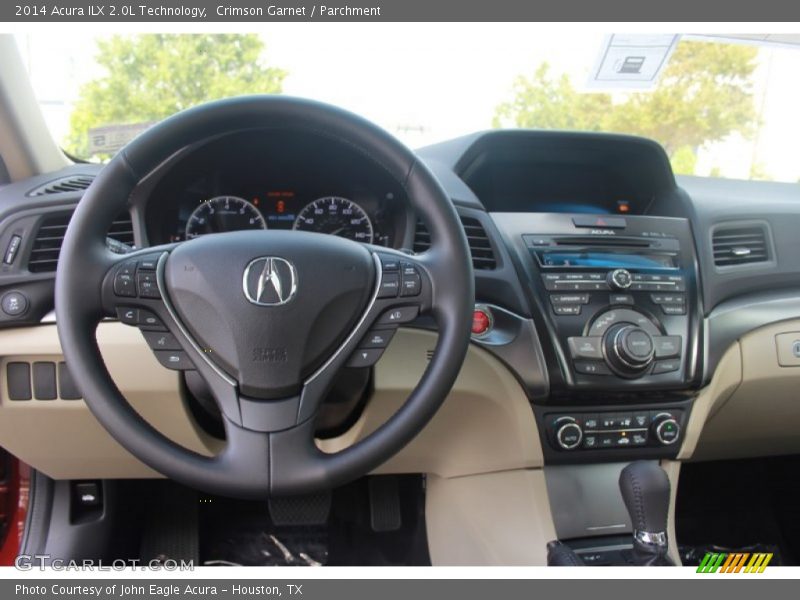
x=762, y=416
x=486, y=424
x=62, y=438
x=494, y=519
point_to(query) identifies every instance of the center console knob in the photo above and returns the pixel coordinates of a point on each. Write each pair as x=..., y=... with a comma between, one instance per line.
x=629, y=349
x=569, y=434
x=620, y=279
x=666, y=429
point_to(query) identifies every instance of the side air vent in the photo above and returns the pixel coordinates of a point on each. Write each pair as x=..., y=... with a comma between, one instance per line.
x=740, y=245
x=74, y=183
x=479, y=245
x=47, y=244
x=50, y=236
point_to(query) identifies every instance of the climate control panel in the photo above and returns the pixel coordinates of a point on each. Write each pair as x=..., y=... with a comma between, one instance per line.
x=576, y=432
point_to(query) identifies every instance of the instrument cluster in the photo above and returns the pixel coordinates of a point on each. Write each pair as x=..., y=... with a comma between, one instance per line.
x=245, y=183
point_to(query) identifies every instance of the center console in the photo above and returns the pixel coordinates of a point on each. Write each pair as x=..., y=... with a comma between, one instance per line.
x=618, y=313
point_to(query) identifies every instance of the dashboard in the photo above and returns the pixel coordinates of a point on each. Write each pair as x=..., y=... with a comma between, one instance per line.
x=609, y=288
x=271, y=180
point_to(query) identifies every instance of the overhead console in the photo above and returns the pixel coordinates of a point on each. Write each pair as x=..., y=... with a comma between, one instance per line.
x=613, y=286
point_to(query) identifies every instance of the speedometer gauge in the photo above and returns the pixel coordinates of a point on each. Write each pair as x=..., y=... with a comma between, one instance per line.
x=223, y=213
x=336, y=216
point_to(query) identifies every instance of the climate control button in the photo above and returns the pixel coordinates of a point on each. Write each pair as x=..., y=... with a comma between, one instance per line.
x=568, y=434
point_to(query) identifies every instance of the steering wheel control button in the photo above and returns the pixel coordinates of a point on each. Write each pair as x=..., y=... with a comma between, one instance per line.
x=12, y=249
x=129, y=316
x=667, y=346
x=586, y=347
x=149, y=321
x=666, y=366
x=148, y=286
x=620, y=279
x=18, y=375
x=124, y=280
x=591, y=367
x=148, y=263
x=412, y=285
x=365, y=357
x=378, y=338
x=175, y=360
x=14, y=304
x=390, y=285
x=481, y=322
x=389, y=263
x=161, y=340
x=396, y=316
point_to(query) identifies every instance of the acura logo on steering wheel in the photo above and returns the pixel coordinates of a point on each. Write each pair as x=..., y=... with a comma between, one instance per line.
x=269, y=281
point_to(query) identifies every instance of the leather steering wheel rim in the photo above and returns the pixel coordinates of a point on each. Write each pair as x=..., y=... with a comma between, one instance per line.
x=257, y=463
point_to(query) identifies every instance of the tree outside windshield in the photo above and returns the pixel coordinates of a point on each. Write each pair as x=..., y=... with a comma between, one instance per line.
x=720, y=109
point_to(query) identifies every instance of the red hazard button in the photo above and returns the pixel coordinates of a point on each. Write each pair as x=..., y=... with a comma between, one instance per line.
x=481, y=321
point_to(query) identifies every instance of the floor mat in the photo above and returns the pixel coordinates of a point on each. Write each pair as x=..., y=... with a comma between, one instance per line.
x=735, y=505
x=235, y=532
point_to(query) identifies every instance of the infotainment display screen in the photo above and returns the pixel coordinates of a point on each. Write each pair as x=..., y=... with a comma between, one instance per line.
x=607, y=260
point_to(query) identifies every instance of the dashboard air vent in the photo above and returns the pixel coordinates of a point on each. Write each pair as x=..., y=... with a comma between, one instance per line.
x=479, y=245
x=740, y=245
x=74, y=183
x=50, y=236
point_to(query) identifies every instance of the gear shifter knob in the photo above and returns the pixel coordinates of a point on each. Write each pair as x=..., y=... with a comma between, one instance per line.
x=646, y=492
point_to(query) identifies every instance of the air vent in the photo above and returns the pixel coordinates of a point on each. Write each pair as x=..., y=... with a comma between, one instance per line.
x=122, y=229
x=740, y=245
x=47, y=244
x=479, y=245
x=75, y=183
x=50, y=236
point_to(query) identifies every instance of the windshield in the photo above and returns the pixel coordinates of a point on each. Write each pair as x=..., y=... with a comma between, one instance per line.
x=720, y=109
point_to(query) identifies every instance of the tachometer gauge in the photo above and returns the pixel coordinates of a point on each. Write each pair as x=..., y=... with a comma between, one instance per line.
x=223, y=213
x=336, y=216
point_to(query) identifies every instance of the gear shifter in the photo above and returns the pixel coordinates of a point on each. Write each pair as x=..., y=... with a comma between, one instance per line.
x=645, y=490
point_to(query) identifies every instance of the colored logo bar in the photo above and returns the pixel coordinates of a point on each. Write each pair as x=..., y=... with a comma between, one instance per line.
x=734, y=562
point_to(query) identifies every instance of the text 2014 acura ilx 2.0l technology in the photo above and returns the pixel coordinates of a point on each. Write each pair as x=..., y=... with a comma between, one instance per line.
x=244, y=324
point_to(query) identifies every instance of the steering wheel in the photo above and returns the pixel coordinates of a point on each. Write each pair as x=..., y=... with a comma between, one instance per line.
x=267, y=318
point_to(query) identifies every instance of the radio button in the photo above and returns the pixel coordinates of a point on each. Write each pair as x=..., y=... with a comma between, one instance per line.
x=585, y=347
x=673, y=309
x=620, y=299
x=567, y=309
x=591, y=367
x=666, y=366
x=620, y=279
x=668, y=298
x=569, y=298
x=667, y=346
